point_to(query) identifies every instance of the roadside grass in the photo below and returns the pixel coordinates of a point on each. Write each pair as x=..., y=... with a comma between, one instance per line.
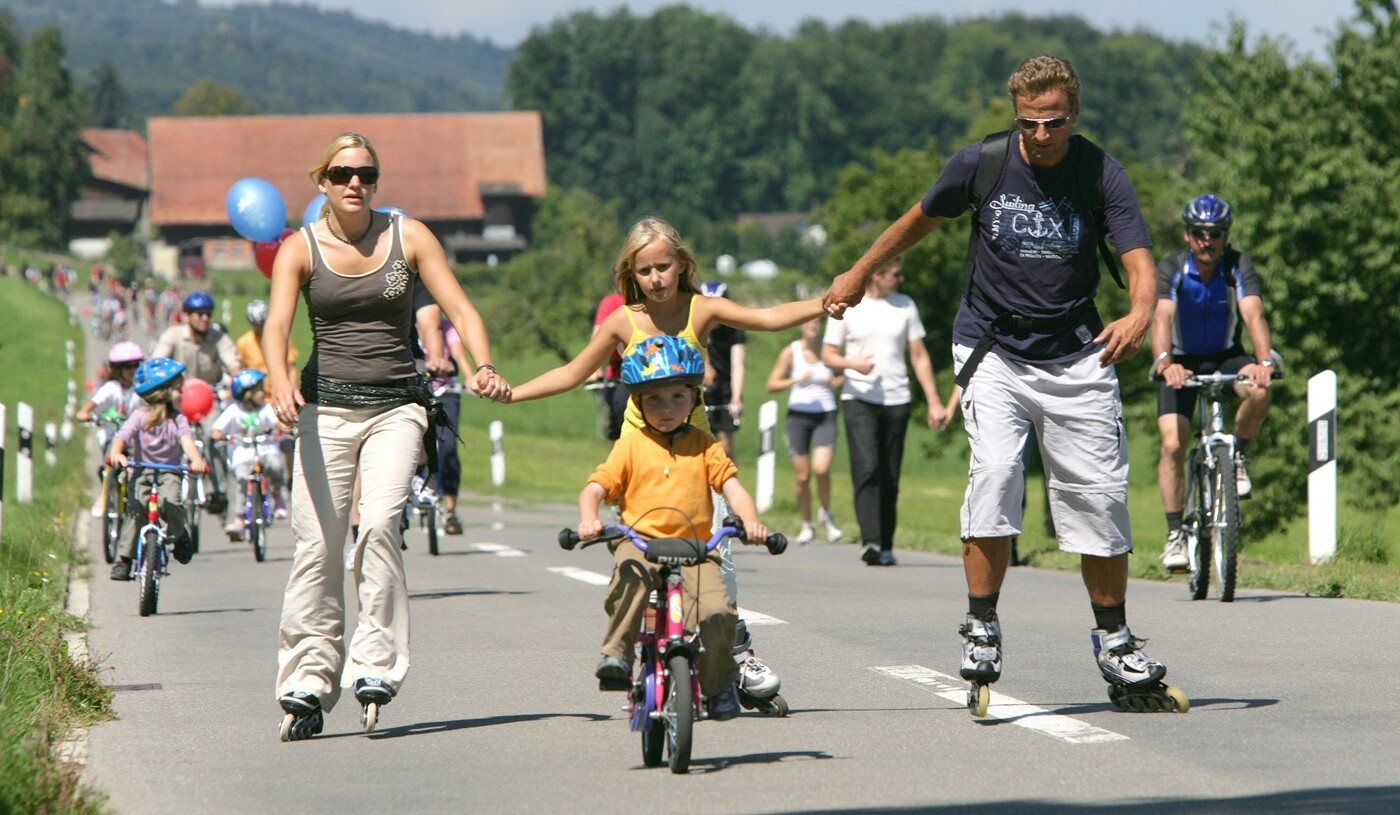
x=43, y=694
x=552, y=445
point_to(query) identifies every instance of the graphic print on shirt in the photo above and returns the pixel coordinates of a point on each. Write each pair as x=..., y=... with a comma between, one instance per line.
x=396, y=280
x=1047, y=230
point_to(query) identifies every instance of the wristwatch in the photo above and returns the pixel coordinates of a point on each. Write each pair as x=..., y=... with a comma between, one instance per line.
x=1267, y=363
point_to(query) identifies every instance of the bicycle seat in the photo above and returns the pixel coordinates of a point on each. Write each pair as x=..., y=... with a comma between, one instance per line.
x=675, y=551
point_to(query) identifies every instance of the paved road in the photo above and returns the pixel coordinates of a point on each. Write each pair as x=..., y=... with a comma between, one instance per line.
x=1292, y=703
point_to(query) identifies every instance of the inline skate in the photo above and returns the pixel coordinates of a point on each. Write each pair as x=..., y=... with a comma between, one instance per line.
x=981, y=660
x=303, y=718
x=758, y=685
x=1134, y=679
x=372, y=694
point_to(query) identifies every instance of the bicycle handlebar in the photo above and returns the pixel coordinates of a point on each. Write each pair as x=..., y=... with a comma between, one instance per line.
x=182, y=469
x=568, y=538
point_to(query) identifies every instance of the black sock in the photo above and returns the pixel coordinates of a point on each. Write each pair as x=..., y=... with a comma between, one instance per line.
x=1241, y=444
x=1173, y=521
x=1110, y=618
x=983, y=608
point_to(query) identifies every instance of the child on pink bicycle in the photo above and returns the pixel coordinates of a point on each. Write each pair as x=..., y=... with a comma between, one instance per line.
x=672, y=464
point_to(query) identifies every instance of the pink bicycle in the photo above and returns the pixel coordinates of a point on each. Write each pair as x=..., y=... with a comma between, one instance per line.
x=665, y=697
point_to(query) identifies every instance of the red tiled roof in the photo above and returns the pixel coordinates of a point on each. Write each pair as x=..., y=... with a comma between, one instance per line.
x=433, y=164
x=118, y=156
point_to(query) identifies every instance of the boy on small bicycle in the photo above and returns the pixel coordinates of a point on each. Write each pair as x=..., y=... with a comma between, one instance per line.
x=670, y=466
x=248, y=416
x=159, y=433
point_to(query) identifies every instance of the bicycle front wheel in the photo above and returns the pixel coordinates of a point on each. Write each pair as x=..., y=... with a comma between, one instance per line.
x=680, y=713
x=1198, y=533
x=1225, y=515
x=148, y=575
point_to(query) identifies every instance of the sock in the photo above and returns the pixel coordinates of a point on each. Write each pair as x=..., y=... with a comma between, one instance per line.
x=983, y=608
x=1241, y=444
x=1173, y=521
x=1110, y=618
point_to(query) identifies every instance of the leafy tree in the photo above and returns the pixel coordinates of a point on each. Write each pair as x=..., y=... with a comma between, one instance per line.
x=48, y=163
x=208, y=97
x=108, y=103
x=546, y=298
x=1301, y=151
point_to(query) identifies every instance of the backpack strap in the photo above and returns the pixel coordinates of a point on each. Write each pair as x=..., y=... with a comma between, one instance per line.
x=1088, y=167
x=991, y=163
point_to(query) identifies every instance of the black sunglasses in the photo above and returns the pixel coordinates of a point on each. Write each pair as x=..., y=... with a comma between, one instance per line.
x=1207, y=234
x=1028, y=124
x=341, y=175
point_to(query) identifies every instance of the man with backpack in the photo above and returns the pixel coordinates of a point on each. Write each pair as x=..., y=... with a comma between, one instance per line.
x=1030, y=351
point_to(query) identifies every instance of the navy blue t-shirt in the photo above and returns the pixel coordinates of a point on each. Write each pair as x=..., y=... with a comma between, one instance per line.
x=1037, y=249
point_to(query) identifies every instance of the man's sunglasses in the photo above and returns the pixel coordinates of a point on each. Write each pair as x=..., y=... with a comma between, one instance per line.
x=341, y=175
x=1201, y=234
x=1028, y=124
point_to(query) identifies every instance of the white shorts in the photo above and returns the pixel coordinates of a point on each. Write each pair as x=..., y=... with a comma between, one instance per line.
x=1077, y=414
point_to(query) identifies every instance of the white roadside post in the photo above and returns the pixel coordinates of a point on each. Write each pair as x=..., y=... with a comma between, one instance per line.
x=1322, y=467
x=24, y=487
x=69, y=347
x=497, y=432
x=70, y=409
x=51, y=444
x=767, y=425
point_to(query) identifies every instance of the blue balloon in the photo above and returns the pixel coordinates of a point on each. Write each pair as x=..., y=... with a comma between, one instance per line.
x=256, y=210
x=313, y=209
x=392, y=211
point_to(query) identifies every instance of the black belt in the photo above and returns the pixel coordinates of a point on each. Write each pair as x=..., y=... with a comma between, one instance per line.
x=317, y=389
x=1009, y=322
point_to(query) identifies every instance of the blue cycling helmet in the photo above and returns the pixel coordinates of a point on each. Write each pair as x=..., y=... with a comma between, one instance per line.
x=199, y=301
x=155, y=373
x=247, y=379
x=1207, y=210
x=714, y=288
x=663, y=360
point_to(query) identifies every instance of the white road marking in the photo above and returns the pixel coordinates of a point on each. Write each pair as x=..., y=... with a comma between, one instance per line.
x=582, y=574
x=1004, y=707
x=596, y=579
x=497, y=549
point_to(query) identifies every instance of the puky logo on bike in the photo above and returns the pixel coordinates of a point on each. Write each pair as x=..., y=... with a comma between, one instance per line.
x=675, y=608
x=1048, y=229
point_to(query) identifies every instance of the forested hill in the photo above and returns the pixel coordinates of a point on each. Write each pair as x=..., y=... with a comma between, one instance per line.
x=282, y=58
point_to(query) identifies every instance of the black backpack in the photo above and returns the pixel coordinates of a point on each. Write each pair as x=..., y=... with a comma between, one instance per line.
x=991, y=163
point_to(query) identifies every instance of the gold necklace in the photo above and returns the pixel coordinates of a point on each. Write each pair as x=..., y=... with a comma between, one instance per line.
x=344, y=239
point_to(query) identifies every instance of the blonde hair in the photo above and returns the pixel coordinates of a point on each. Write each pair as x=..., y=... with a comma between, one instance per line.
x=1038, y=75
x=642, y=234
x=342, y=142
x=158, y=404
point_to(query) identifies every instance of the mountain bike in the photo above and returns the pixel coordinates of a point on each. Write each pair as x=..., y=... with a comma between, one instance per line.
x=665, y=699
x=152, y=561
x=1211, y=512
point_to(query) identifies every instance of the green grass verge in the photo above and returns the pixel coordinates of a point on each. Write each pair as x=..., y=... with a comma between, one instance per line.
x=43, y=694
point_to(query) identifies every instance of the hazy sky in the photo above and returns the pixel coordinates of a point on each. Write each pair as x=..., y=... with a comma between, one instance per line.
x=1308, y=23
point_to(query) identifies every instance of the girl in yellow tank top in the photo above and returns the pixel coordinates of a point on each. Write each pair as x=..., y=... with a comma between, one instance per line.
x=655, y=274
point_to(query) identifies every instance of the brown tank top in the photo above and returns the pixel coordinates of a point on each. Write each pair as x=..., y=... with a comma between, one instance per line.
x=360, y=323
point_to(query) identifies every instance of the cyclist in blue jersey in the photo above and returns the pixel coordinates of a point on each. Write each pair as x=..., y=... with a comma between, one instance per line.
x=1207, y=295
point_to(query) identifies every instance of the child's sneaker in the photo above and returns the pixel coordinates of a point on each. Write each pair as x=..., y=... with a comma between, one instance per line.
x=613, y=674
x=806, y=535
x=724, y=705
x=833, y=532
x=184, y=548
x=234, y=528
x=279, y=506
x=121, y=570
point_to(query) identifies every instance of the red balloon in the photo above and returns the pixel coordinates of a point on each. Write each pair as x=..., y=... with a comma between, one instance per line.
x=265, y=252
x=197, y=399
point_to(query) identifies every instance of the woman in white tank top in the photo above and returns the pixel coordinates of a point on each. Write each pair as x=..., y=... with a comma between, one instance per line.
x=811, y=423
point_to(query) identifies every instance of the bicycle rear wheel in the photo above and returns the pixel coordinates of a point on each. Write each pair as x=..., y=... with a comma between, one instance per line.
x=1225, y=512
x=680, y=713
x=148, y=575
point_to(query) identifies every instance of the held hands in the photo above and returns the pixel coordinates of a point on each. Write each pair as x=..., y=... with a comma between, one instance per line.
x=845, y=291
x=1122, y=338
x=488, y=384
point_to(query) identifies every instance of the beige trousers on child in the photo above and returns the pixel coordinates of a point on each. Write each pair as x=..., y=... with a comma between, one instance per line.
x=383, y=446
x=633, y=579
